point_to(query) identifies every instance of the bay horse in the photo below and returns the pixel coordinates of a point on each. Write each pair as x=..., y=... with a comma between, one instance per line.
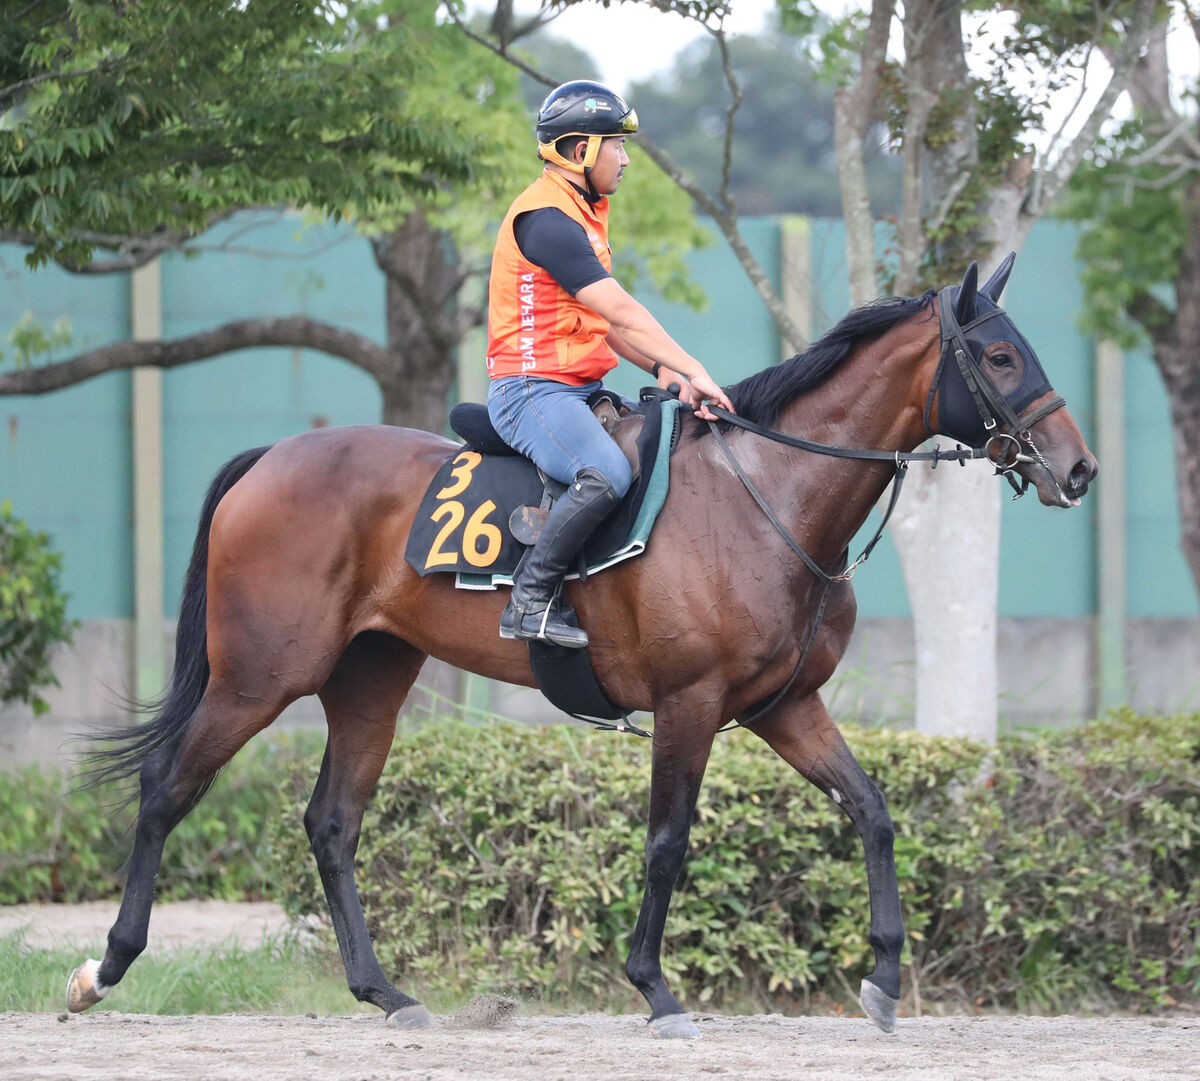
x=297, y=585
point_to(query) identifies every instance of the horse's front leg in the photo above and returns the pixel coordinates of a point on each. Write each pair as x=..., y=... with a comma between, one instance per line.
x=679, y=759
x=804, y=735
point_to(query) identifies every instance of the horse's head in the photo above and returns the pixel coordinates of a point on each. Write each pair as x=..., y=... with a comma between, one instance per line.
x=991, y=391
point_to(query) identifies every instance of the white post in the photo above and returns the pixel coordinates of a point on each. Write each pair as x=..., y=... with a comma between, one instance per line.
x=149, y=652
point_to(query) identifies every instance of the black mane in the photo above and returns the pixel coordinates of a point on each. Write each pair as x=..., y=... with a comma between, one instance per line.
x=760, y=397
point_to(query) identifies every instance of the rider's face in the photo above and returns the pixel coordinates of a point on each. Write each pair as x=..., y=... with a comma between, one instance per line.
x=610, y=164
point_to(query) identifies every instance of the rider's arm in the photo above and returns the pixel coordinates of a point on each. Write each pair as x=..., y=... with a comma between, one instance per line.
x=550, y=239
x=636, y=328
x=665, y=377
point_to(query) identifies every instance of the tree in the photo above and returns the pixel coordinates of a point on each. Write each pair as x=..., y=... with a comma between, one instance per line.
x=1139, y=200
x=130, y=127
x=368, y=110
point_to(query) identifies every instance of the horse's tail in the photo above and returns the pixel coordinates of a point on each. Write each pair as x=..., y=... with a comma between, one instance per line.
x=125, y=749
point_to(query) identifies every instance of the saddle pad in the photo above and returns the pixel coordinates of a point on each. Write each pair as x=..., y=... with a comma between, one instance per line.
x=462, y=523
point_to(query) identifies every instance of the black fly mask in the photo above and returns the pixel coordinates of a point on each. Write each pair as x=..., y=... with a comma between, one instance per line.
x=970, y=408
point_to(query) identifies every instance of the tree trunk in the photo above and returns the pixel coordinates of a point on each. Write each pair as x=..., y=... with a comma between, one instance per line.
x=424, y=328
x=1178, y=358
x=947, y=527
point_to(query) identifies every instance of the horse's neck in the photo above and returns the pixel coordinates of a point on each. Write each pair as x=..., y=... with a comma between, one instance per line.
x=873, y=401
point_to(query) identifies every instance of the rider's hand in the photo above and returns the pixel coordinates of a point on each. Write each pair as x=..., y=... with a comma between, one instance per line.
x=668, y=378
x=702, y=387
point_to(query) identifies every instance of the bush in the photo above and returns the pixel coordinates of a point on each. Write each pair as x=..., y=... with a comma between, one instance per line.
x=62, y=845
x=33, y=611
x=1049, y=871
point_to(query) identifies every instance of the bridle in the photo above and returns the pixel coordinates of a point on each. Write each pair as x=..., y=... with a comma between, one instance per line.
x=994, y=410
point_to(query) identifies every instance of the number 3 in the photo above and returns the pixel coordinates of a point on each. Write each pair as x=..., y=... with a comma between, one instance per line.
x=462, y=476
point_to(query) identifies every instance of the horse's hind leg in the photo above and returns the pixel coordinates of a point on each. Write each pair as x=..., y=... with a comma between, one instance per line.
x=805, y=736
x=361, y=699
x=173, y=778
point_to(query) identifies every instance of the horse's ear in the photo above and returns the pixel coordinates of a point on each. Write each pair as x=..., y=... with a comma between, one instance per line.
x=964, y=310
x=994, y=286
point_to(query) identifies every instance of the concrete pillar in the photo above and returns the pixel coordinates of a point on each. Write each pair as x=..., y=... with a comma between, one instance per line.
x=149, y=650
x=795, y=276
x=1111, y=528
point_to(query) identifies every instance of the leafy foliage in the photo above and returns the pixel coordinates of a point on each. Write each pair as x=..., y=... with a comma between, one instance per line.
x=29, y=339
x=1054, y=871
x=122, y=120
x=1135, y=228
x=33, y=611
x=1050, y=871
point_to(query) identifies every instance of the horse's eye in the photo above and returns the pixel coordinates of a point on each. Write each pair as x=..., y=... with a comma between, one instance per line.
x=1001, y=360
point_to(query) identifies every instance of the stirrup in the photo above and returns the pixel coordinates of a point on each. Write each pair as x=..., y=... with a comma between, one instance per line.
x=546, y=625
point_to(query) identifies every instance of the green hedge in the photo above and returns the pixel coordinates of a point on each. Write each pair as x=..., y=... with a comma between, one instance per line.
x=1053, y=871
x=57, y=844
x=1056, y=870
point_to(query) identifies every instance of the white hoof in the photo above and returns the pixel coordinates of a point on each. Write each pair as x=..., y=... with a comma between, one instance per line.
x=880, y=1007
x=84, y=988
x=674, y=1026
x=414, y=1016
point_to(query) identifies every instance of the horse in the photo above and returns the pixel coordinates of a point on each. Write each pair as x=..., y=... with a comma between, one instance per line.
x=297, y=586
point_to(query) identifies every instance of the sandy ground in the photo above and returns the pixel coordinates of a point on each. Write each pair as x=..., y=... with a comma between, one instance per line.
x=486, y=1040
x=594, y=1048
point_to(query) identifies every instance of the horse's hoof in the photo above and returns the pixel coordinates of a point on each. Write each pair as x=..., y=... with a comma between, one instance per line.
x=880, y=1007
x=84, y=988
x=414, y=1016
x=674, y=1026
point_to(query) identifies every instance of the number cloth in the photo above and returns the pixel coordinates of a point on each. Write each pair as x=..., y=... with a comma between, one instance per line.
x=462, y=524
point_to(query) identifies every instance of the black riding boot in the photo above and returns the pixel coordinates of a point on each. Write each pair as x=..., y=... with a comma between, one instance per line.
x=533, y=610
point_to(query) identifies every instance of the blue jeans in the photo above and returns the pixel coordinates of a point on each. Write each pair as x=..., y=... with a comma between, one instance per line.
x=550, y=423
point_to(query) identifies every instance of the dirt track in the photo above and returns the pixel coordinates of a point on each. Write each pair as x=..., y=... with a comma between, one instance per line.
x=482, y=1042
x=595, y=1048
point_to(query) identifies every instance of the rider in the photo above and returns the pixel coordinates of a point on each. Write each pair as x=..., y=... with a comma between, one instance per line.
x=557, y=320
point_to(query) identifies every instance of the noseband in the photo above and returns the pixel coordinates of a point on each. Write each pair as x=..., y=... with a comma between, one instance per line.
x=994, y=408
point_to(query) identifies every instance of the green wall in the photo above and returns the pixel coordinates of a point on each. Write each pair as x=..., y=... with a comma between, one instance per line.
x=65, y=458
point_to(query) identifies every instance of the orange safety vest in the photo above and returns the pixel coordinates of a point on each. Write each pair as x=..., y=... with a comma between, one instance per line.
x=535, y=327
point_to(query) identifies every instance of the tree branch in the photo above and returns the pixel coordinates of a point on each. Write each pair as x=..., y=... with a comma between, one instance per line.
x=10, y=92
x=1050, y=182
x=853, y=109
x=1155, y=318
x=132, y=251
x=296, y=331
x=735, y=100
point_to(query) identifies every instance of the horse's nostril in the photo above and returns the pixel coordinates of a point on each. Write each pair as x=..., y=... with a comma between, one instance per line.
x=1082, y=472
